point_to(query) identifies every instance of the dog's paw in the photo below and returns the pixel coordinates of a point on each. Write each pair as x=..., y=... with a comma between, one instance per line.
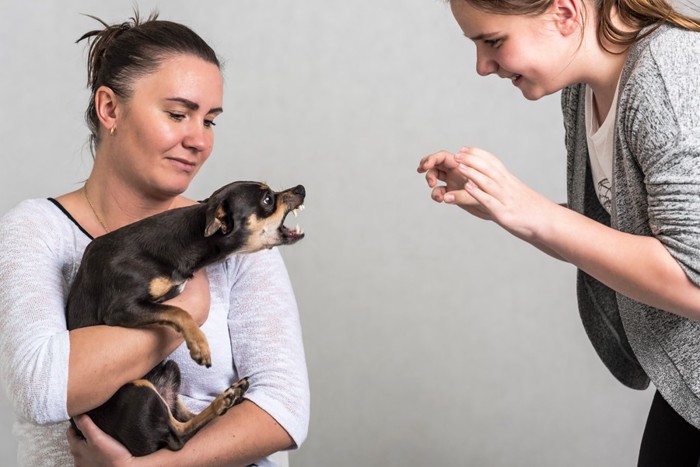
x=231, y=396
x=200, y=353
x=240, y=386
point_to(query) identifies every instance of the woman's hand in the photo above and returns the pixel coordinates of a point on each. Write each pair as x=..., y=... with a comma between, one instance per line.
x=196, y=298
x=97, y=449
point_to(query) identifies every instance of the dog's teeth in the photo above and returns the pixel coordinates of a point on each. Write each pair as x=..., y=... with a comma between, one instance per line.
x=298, y=229
x=302, y=207
x=294, y=211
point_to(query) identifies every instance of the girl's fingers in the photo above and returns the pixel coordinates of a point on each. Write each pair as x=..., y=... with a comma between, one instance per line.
x=480, y=179
x=467, y=202
x=438, y=194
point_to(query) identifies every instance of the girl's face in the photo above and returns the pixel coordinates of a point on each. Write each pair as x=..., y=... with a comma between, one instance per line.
x=165, y=131
x=531, y=51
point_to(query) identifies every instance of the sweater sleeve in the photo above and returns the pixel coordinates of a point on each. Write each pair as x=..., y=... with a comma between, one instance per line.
x=266, y=339
x=663, y=133
x=34, y=343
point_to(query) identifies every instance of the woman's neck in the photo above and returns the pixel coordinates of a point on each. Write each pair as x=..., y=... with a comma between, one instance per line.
x=116, y=203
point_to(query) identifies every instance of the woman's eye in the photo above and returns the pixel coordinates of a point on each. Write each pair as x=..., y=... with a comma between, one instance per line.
x=176, y=116
x=495, y=43
x=209, y=123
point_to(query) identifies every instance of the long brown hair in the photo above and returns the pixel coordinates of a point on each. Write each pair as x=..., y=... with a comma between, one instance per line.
x=121, y=53
x=635, y=15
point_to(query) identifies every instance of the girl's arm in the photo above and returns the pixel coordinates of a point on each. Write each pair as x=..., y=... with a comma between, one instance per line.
x=639, y=267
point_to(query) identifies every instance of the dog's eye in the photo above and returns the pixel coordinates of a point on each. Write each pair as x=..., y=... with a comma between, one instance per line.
x=267, y=200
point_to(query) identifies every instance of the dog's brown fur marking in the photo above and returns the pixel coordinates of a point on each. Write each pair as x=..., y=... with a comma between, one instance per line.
x=159, y=287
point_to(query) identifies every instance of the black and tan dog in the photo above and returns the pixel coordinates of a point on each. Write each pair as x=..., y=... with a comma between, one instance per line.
x=125, y=276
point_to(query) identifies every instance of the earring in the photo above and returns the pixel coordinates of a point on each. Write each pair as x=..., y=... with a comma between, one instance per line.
x=112, y=130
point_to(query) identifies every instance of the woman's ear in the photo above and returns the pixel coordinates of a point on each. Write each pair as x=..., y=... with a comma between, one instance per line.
x=106, y=107
x=568, y=15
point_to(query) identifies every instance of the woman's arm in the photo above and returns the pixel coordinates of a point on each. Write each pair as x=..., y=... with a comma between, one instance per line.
x=241, y=436
x=51, y=373
x=267, y=347
x=103, y=358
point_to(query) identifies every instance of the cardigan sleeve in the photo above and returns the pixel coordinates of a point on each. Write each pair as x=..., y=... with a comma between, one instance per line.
x=266, y=339
x=34, y=343
x=662, y=131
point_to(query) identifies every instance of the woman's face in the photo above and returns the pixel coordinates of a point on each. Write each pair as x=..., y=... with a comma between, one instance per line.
x=531, y=51
x=165, y=131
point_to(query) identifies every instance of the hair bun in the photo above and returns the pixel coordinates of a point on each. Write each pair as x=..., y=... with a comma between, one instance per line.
x=102, y=40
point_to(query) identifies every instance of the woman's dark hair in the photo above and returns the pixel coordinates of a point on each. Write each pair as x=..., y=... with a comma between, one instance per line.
x=121, y=53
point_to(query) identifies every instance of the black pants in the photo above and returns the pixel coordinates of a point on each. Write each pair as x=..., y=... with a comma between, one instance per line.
x=668, y=440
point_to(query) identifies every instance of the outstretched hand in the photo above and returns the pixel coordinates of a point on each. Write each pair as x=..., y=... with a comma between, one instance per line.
x=97, y=449
x=444, y=167
x=479, y=183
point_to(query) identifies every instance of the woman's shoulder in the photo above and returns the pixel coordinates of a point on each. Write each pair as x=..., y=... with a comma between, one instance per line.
x=35, y=219
x=43, y=208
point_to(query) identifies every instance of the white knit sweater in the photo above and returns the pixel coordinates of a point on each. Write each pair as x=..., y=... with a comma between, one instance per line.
x=253, y=330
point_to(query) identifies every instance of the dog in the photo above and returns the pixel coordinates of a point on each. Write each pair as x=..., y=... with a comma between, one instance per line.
x=126, y=275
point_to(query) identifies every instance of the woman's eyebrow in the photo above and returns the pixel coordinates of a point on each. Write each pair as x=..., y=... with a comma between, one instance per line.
x=192, y=105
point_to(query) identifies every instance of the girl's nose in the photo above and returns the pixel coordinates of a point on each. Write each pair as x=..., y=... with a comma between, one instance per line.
x=484, y=65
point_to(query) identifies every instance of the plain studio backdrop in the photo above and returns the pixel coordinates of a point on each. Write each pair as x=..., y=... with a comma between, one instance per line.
x=432, y=338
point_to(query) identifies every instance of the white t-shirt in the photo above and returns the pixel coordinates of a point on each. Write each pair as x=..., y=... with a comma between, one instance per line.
x=601, y=144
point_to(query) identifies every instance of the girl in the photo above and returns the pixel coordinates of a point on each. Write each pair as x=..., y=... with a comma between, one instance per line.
x=156, y=89
x=629, y=72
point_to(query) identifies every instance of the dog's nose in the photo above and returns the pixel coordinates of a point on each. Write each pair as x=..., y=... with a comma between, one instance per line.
x=299, y=190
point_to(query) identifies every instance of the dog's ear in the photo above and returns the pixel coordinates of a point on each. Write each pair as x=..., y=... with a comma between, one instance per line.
x=217, y=219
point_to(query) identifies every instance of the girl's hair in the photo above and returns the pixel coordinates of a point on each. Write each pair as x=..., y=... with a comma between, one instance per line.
x=121, y=53
x=635, y=15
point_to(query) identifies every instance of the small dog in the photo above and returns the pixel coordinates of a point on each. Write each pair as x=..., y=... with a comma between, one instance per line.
x=125, y=276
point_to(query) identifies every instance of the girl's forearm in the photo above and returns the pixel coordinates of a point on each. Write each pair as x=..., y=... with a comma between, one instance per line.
x=636, y=266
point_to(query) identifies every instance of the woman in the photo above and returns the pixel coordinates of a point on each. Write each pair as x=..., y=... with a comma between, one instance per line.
x=156, y=91
x=629, y=75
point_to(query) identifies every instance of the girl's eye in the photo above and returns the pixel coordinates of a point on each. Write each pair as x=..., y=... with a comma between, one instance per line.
x=209, y=123
x=495, y=43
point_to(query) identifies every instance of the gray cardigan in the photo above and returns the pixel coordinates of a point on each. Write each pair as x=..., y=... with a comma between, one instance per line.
x=656, y=191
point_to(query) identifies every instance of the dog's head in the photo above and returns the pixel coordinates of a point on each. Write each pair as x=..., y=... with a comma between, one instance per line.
x=250, y=216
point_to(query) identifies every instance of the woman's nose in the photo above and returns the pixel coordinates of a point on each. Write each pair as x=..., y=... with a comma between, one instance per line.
x=198, y=138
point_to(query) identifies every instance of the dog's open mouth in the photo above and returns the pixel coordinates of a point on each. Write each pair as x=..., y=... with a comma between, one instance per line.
x=291, y=235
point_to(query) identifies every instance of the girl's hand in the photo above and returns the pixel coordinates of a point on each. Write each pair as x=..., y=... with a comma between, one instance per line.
x=442, y=166
x=98, y=449
x=501, y=196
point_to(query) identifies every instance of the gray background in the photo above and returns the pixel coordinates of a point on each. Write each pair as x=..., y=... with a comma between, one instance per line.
x=432, y=338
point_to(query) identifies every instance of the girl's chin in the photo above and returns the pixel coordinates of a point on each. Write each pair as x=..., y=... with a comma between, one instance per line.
x=533, y=94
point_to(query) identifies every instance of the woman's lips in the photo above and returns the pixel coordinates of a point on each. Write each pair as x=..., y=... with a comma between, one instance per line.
x=183, y=164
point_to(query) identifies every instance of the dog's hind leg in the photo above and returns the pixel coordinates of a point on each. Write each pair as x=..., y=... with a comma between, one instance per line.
x=183, y=431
